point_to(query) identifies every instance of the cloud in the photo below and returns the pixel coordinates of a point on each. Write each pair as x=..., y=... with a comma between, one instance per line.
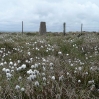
x=53, y=12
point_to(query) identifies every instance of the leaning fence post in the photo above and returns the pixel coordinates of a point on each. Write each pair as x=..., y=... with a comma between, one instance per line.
x=22, y=27
x=64, y=28
x=42, y=29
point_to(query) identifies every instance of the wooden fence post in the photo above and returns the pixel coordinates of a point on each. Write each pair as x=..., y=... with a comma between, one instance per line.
x=81, y=28
x=22, y=27
x=64, y=28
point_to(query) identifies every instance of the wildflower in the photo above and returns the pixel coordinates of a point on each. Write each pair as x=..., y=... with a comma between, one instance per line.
x=7, y=70
x=19, y=61
x=36, y=83
x=36, y=65
x=23, y=66
x=67, y=73
x=17, y=87
x=29, y=71
x=31, y=77
x=19, y=78
x=32, y=66
x=53, y=77
x=11, y=63
x=51, y=64
x=92, y=88
x=67, y=54
x=91, y=81
x=60, y=53
x=5, y=62
x=8, y=75
x=4, y=69
x=29, y=53
x=22, y=89
x=44, y=79
x=1, y=64
x=79, y=81
x=71, y=64
x=79, y=68
x=61, y=78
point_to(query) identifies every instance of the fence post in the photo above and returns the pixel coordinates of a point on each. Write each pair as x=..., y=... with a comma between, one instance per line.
x=42, y=29
x=81, y=28
x=64, y=28
x=22, y=27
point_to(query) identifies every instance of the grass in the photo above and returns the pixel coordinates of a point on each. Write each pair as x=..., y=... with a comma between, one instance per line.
x=57, y=66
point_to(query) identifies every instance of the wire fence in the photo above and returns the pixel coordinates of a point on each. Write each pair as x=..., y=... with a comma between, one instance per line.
x=9, y=26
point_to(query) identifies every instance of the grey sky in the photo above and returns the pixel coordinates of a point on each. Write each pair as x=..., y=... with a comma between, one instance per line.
x=53, y=12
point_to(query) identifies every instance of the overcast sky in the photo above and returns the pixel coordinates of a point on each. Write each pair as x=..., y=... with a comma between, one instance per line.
x=53, y=12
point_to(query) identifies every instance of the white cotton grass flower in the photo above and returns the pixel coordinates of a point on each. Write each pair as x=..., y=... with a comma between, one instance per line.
x=22, y=89
x=7, y=71
x=51, y=68
x=5, y=63
x=1, y=64
x=8, y=75
x=17, y=87
x=67, y=54
x=29, y=53
x=36, y=83
x=19, y=68
x=36, y=72
x=11, y=63
x=67, y=73
x=59, y=53
x=79, y=81
x=44, y=78
x=61, y=78
x=12, y=71
x=20, y=78
x=79, y=68
x=31, y=77
x=53, y=78
x=19, y=61
x=91, y=82
x=32, y=66
x=86, y=73
x=36, y=65
x=71, y=64
x=30, y=71
x=4, y=69
x=51, y=64
x=23, y=66
x=92, y=88
x=15, y=64
x=44, y=68
x=43, y=74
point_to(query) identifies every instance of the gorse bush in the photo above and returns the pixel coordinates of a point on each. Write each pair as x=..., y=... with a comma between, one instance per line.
x=49, y=66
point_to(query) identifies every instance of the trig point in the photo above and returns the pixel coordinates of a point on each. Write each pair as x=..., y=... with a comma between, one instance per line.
x=42, y=29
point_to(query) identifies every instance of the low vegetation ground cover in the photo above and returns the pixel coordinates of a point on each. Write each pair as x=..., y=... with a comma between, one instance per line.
x=49, y=66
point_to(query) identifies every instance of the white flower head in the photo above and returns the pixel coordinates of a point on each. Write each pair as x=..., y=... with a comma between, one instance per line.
x=44, y=79
x=36, y=83
x=61, y=78
x=79, y=81
x=22, y=89
x=17, y=87
x=79, y=68
x=53, y=77
x=60, y=53
x=23, y=66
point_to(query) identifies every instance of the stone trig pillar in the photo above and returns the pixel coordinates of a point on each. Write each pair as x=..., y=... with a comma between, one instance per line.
x=42, y=29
